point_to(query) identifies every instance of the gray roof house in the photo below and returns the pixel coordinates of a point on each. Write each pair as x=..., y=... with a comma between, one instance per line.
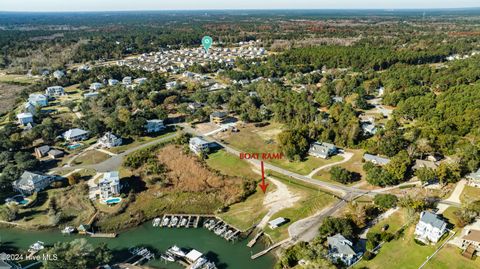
x=430, y=227
x=474, y=179
x=42, y=151
x=75, y=134
x=38, y=99
x=55, y=91
x=96, y=86
x=341, y=249
x=25, y=118
x=198, y=145
x=322, y=150
x=154, y=126
x=375, y=159
x=58, y=74
x=30, y=182
x=424, y=164
x=109, y=140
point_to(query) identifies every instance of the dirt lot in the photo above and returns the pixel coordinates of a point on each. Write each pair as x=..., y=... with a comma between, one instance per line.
x=8, y=95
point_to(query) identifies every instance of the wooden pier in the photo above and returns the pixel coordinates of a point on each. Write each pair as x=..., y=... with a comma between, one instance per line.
x=103, y=235
x=252, y=242
x=265, y=251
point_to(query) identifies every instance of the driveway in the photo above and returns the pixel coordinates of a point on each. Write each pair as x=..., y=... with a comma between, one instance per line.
x=346, y=157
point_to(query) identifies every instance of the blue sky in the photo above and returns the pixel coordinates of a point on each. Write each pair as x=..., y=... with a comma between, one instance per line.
x=100, y=5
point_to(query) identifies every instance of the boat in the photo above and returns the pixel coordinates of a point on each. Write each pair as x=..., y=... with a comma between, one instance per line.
x=208, y=223
x=68, y=230
x=156, y=222
x=214, y=223
x=183, y=222
x=221, y=230
x=165, y=222
x=198, y=264
x=167, y=257
x=176, y=251
x=228, y=233
x=37, y=246
x=209, y=265
x=174, y=222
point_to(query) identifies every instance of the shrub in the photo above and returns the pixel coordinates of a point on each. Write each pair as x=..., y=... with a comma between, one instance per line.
x=341, y=175
x=385, y=201
x=368, y=255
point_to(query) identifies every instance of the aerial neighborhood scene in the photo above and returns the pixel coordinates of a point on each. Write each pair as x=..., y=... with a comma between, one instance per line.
x=240, y=135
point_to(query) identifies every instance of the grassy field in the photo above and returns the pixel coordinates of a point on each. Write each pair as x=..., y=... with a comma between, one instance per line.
x=312, y=201
x=91, y=157
x=17, y=79
x=394, y=222
x=451, y=257
x=355, y=165
x=230, y=165
x=139, y=141
x=263, y=140
x=470, y=194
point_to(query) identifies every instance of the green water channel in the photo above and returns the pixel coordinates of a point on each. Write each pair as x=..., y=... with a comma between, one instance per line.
x=225, y=254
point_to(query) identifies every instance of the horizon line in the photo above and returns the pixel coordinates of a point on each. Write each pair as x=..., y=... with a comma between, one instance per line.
x=243, y=9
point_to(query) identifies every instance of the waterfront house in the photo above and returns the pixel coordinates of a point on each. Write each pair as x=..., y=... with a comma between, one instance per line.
x=58, y=74
x=25, y=118
x=375, y=159
x=474, y=179
x=218, y=117
x=430, y=227
x=322, y=150
x=109, y=185
x=470, y=243
x=96, y=86
x=341, y=249
x=277, y=223
x=55, y=91
x=30, y=182
x=109, y=140
x=38, y=100
x=75, y=134
x=198, y=145
x=154, y=126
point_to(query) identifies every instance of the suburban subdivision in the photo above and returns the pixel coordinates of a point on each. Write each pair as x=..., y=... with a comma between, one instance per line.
x=242, y=139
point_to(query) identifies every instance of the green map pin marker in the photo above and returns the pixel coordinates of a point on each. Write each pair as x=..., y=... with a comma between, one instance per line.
x=207, y=43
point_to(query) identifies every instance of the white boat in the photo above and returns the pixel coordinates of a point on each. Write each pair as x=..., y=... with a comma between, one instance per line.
x=183, y=222
x=167, y=257
x=174, y=222
x=176, y=251
x=39, y=245
x=228, y=233
x=165, y=222
x=68, y=230
x=156, y=222
x=221, y=230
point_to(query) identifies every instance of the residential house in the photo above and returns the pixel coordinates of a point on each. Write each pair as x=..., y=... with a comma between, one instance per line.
x=171, y=85
x=375, y=159
x=474, y=179
x=470, y=243
x=113, y=82
x=198, y=145
x=140, y=81
x=109, y=185
x=277, y=222
x=127, y=80
x=55, y=154
x=341, y=249
x=194, y=106
x=96, y=86
x=188, y=74
x=424, y=164
x=218, y=117
x=109, y=140
x=29, y=108
x=430, y=228
x=337, y=99
x=58, y=74
x=55, y=91
x=30, y=182
x=368, y=128
x=42, y=151
x=322, y=150
x=90, y=95
x=75, y=134
x=38, y=100
x=25, y=118
x=154, y=126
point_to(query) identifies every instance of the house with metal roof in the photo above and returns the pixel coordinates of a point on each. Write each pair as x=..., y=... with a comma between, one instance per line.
x=277, y=222
x=30, y=182
x=39, y=100
x=341, y=249
x=375, y=159
x=75, y=134
x=322, y=150
x=430, y=227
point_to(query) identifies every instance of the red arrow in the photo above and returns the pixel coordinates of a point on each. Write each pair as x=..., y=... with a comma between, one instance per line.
x=263, y=185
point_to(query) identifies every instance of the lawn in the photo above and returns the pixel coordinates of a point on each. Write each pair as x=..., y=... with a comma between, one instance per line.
x=17, y=79
x=451, y=257
x=230, y=165
x=355, y=164
x=139, y=141
x=470, y=194
x=263, y=140
x=394, y=222
x=312, y=201
x=91, y=157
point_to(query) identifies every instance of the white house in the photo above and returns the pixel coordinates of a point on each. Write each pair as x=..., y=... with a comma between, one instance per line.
x=109, y=140
x=96, y=86
x=58, y=74
x=375, y=159
x=29, y=108
x=38, y=99
x=322, y=150
x=109, y=185
x=154, y=126
x=55, y=91
x=113, y=82
x=75, y=134
x=29, y=182
x=140, y=81
x=25, y=118
x=430, y=228
x=198, y=145
x=127, y=80
x=341, y=249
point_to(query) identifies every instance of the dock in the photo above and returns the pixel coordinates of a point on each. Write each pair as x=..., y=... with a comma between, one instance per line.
x=103, y=235
x=252, y=242
x=182, y=220
x=265, y=251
